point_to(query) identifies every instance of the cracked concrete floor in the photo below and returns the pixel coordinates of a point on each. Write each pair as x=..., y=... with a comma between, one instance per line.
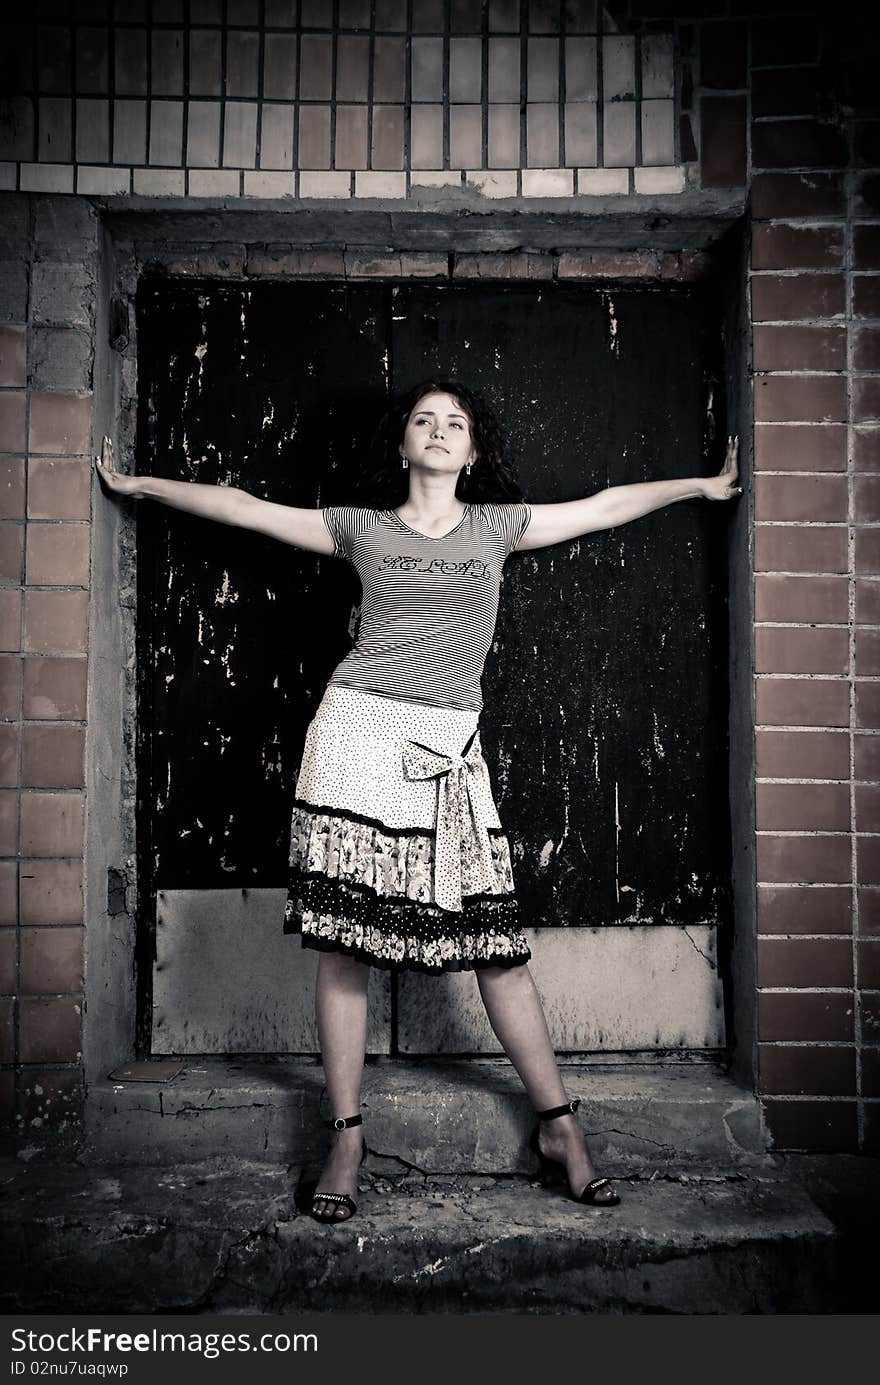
x=226, y=1235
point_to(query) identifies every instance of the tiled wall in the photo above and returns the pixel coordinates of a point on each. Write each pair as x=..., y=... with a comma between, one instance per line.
x=536, y=99
x=778, y=123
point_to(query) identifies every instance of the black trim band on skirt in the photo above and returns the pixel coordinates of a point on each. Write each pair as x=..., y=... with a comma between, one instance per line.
x=403, y=934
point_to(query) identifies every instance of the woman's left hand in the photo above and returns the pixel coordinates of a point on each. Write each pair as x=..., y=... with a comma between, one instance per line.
x=724, y=486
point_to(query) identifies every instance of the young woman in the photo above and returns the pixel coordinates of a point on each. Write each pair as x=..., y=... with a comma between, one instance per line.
x=397, y=855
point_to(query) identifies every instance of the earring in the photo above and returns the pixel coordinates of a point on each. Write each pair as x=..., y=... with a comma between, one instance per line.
x=467, y=468
x=405, y=463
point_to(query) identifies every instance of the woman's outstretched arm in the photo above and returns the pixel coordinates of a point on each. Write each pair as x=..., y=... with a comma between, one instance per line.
x=227, y=504
x=619, y=504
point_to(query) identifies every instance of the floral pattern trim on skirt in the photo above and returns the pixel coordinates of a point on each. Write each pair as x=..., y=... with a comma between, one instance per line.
x=392, y=861
x=334, y=915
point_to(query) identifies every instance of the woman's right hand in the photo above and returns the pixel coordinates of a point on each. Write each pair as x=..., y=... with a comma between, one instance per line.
x=116, y=481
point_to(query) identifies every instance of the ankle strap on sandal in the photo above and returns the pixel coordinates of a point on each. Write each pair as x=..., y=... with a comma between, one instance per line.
x=567, y=1110
x=344, y=1122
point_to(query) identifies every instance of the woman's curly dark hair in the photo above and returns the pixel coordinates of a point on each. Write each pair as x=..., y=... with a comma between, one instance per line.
x=384, y=482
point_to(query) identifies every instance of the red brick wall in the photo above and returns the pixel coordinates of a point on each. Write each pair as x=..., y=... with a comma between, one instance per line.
x=46, y=353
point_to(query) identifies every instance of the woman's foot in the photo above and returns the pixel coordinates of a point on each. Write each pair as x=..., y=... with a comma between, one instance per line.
x=339, y=1175
x=562, y=1139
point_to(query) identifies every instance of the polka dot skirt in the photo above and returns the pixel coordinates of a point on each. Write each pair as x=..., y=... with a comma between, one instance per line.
x=364, y=872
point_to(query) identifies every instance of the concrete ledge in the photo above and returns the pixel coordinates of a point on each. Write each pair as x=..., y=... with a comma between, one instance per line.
x=226, y=1236
x=436, y=1117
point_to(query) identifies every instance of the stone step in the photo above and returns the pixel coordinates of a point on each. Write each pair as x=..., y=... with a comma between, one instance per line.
x=225, y=1236
x=466, y=1117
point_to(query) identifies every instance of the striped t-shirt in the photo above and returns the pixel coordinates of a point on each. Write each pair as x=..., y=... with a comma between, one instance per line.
x=429, y=604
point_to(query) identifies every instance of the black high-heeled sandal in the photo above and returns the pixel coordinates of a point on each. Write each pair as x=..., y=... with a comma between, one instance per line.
x=339, y=1199
x=552, y=1171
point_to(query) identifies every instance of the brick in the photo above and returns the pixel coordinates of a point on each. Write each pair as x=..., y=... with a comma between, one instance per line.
x=723, y=141
x=804, y=1070
x=7, y=961
x=17, y=137
x=49, y=1030
x=619, y=134
x=866, y=194
x=804, y=909
x=51, y=960
x=60, y=423
x=866, y=295
x=805, y=962
x=271, y=185
x=658, y=133
x=869, y=965
x=814, y=1125
x=55, y=621
x=801, y=398
x=11, y=490
x=802, y=754
x=800, y=447
x=7, y=1031
x=46, y=178
x=276, y=136
x=797, y=296
x=389, y=69
x=210, y=182
x=658, y=66
x=12, y=422
x=47, y=1097
x=801, y=651
x=723, y=55
x=9, y=869
x=52, y=824
x=316, y=73
x=314, y=137
x=103, y=182
x=797, y=548
x=352, y=67
x=282, y=260
x=10, y=620
x=802, y=702
x=466, y=136
x=866, y=399
x=547, y=182
x=325, y=184
x=867, y=796
x=580, y=132
x=866, y=142
x=618, y=67
x=54, y=128
x=798, y=194
x=9, y=742
x=351, y=136
x=205, y=61
x=426, y=72
x=63, y=294
x=129, y=132
x=58, y=488
x=866, y=348
x=868, y=860
x=493, y=182
x=388, y=137
x=374, y=184
x=203, y=133
x=803, y=860
x=166, y=133
x=778, y=42
x=92, y=62
x=242, y=63
x=58, y=554
x=51, y=891
x=786, y=808
x=867, y=653
x=465, y=71
x=778, y=246
x=13, y=356
x=11, y=551
x=867, y=553
x=867, y=704
x=869, y=1004
x=513, y=266
x=867, y=602
x=799, y=348
x=13, y=290
x=789, y=143
x=871, y=1072
x=61, y=359
x=426, y=139
x=52, y=756
x=785, y=91
x=166, y=73
x=581, y=83
x=240, y=134
x=130, y=64
x=800, y=497
x=603, y=182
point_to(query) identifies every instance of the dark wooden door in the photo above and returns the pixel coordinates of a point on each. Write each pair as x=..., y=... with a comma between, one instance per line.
x=605, y=716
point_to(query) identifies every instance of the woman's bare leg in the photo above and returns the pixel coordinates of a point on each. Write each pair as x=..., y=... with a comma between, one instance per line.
x=517, y=1017
x=341, y=1012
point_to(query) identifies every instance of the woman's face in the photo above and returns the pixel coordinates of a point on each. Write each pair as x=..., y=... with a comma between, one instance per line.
x=438, y=435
